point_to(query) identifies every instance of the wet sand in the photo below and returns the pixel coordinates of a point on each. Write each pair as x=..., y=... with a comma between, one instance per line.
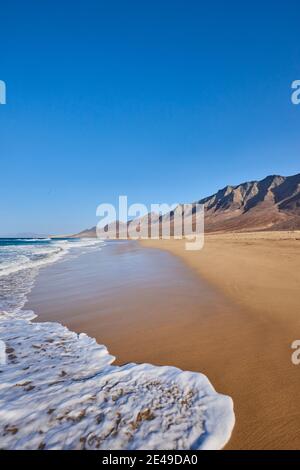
x=146, y=305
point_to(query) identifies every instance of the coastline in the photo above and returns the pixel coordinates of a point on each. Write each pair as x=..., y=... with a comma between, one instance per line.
x=240, y=264
x=63, y=393
x=240, y=341
x=260, y=273
x=144, y=305
x=59, y=391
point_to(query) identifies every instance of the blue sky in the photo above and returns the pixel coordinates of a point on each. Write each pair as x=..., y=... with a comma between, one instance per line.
x=163, y=101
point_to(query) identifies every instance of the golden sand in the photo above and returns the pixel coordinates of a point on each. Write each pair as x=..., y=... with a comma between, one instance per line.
x=247, y=353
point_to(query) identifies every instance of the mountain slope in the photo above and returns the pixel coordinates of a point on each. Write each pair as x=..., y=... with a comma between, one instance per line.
x=270, y=204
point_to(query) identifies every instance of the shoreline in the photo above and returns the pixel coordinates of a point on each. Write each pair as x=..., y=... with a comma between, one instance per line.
x=240, y=341
x=238, y=256
x=62, y=389
x=145, y=306
x=260, y=273
x=58, y=403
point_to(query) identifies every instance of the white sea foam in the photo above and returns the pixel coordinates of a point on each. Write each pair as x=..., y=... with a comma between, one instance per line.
x=2, y=353
x=58, y=390
x=31, y=256
x=20, y=264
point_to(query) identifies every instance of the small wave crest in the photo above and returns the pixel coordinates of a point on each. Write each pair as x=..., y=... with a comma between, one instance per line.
x=96, y=405
x=19, y=265
x=93, y=404
x=14, y=258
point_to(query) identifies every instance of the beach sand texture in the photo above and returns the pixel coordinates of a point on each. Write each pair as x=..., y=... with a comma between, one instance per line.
x=259, y=272
x=233, y=317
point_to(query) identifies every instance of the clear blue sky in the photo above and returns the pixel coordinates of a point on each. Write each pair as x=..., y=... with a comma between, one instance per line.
x=164, y=101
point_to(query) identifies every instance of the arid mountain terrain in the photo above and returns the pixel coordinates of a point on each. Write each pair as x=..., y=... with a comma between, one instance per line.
x=270, y=204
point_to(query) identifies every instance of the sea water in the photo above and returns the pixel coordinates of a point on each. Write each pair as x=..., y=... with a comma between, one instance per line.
x=21, y=259
x=59, y=390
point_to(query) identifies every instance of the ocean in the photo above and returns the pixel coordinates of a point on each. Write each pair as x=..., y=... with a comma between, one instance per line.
x=22, y=258
x=60, y=389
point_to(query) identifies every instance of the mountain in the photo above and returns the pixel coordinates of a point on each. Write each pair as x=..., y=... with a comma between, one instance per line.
x=270, y=204
x=88, y=233
x=107, y=229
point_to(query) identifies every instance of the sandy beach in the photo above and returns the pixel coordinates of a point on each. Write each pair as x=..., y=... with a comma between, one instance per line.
x=62, y=390
x=145, y=305
x=259, y=273
x=233, y=317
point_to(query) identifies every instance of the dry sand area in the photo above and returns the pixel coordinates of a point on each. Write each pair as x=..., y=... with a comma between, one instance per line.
x=246, y=353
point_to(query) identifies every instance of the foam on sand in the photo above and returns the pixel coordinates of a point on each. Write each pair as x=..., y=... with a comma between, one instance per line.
x=58, y=390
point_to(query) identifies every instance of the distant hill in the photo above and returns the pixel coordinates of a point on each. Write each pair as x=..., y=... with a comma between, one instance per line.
x=270, y=204
x=88, y=233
